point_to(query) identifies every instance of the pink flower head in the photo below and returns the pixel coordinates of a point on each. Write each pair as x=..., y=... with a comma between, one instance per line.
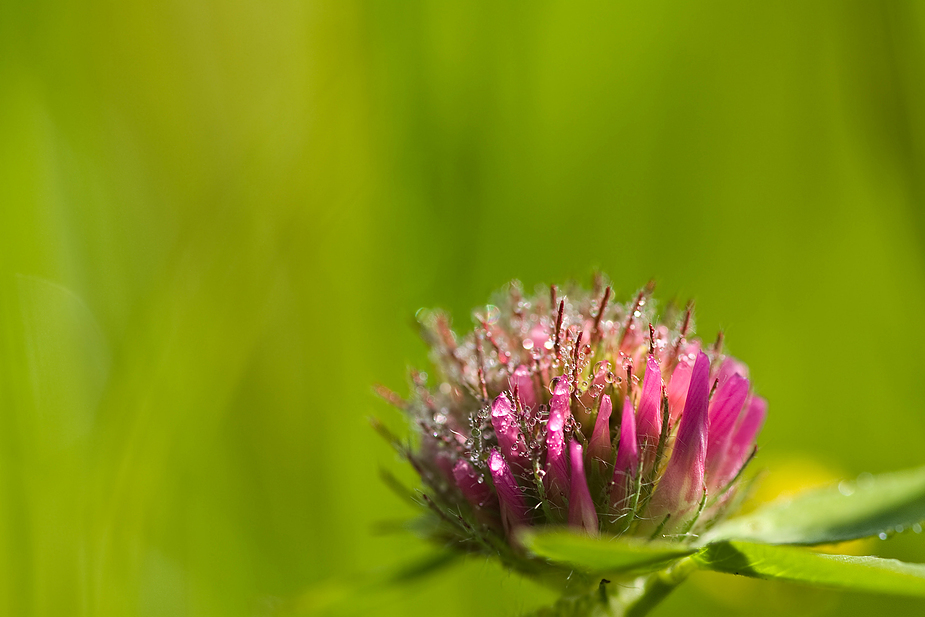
x=519, y=428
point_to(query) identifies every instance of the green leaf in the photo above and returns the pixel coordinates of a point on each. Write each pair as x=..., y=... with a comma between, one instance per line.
x=601, y=555
x=801, y=565
x=846, y=511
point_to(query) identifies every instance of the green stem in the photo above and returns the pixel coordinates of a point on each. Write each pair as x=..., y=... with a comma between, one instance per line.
x=634, y=599
x=655, y=588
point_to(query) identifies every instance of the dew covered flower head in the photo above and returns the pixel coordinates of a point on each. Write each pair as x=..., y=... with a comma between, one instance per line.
x=568, y=407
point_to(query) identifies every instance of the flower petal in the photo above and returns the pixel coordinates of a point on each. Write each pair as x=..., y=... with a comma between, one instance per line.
x=514, y=511
x=681, y=487
x=509, y=437
x=743, y=440
x=680, y=381
x=581, y=512
x=725, y=407
x=523, y=379
x=556, y=480
x=729, y=367
x=478, y=494
x=624, y=471
x=649, y=414
x=599, y=448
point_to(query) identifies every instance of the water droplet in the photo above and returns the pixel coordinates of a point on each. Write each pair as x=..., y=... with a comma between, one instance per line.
x=549, y=344
x=917, y=528
x=899, y=529
x=492, y=314
x=882, y=535
x=846, y=488
x=528, y=344
x=469, y=443
x=445, y=388
x=637, y=313
x=865, y=480
x=480, y=480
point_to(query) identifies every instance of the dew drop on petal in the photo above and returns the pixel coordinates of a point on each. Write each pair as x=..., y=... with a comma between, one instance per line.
x=528, y=344
x=917, y=528
x=845, y=488
x=549, y=344
x=882, y=535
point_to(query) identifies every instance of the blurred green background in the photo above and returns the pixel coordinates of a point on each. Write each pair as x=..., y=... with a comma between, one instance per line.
x=217, y=220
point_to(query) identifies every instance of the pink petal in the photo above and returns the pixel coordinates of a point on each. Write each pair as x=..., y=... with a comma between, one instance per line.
x=743, y=440
x=508, y=431
x=680, y=380
x=729, y=367
x=599, y=447
x=649, y=414
x=624, y=471
x=681, y=487
x=523, y=379
x=725, y=407
x=514, y=511
x=538, y=336
x=556, y=480
x=581, y=512
x=477, y=493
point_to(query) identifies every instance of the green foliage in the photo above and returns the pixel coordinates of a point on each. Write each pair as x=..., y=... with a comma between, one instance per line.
x=799, y=565
x=849, y=510
x=845, y=512
x=602, y=555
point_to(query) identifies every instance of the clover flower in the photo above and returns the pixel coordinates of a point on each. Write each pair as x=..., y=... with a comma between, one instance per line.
x=585, y=442
x=570, y=409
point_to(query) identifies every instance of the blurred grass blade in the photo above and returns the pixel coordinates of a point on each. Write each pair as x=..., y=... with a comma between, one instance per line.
x=67, y=357
x=800, y=565
x=601, y=555
x=846, y=511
